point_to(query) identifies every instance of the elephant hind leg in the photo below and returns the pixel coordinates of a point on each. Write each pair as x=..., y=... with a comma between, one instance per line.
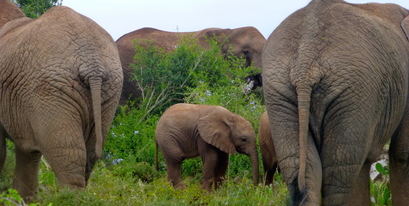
x=174, y=173
x=70, y=172
x=399, y=180
x=26, y=173
x=360, y=195
x=269, y=174
x=399, y=165
x=62, y=145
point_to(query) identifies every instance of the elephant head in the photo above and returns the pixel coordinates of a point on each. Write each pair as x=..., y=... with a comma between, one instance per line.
x=335, y=82
x=246, y=42
x=230, y=133
x=60, y=101
x=212, y=132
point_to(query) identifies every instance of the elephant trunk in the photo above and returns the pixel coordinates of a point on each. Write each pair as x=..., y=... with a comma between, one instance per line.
x=254, y=166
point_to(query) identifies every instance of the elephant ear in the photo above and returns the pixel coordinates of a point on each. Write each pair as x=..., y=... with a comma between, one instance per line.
x=215, y=130
x=405, y=26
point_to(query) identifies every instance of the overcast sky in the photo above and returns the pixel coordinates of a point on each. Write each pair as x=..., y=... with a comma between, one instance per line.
x=119, y=17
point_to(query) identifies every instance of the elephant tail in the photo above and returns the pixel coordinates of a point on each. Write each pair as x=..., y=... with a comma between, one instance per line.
x=304, y=101
x=156, y=156
x=95, y=85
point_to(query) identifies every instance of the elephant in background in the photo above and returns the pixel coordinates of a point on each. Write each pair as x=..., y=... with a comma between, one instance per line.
x=246, y=42
x=186, y=131
x=60, y=85
x=335, y=82
x=268, y=153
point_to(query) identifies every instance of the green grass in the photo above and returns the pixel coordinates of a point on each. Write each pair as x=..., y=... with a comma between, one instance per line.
x=118, y=185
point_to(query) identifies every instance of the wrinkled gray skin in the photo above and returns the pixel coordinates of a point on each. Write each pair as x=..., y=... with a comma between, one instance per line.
x=60, y=83
x=212, y=132
x=246, y=42
x=335, y=81
x=268, y=153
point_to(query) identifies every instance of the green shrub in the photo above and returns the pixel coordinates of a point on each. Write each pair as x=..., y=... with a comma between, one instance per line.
x=380, y=190
x=132, y=169
x=6, y=175
x=11, y=197
x=189, y=74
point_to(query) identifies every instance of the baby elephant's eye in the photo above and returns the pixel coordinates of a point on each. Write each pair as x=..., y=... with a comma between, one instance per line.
x=243, y=139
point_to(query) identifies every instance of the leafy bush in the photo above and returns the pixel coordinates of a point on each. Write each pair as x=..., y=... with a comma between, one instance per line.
x=131, y=138
x=165, y=79
x=35, y=8
x=11, y=197
x=189, y=74
x=380, y=190
x=6, y=175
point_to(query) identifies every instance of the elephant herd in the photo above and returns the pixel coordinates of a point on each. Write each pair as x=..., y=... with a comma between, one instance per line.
x=335, y=79
x=246, y=42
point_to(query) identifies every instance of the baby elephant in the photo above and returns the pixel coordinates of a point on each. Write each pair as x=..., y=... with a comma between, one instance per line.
x=268, y=153
x=186, y=131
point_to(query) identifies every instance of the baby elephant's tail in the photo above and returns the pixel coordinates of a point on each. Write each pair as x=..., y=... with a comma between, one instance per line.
x=156, y=156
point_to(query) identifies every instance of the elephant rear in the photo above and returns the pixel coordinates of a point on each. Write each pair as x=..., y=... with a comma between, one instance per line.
x=335, y=81
x=60, y=101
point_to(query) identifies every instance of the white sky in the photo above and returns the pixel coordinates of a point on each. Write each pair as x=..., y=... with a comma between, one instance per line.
x=119, y=17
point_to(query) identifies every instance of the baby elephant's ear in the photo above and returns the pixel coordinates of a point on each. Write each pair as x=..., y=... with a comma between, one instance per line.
x=215, y=132
x=405, y=26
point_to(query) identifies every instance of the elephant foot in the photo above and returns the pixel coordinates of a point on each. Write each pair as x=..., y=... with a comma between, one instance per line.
x=28, y=199
x=179, y=186
x=71, y=181
x=207, y=187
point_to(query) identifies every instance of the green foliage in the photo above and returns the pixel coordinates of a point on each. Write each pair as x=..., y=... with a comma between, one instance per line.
x=11, y=197
x=137, y=170
x=381, y=169
x=189, y=74
x=34, y=8
x=380, y=190
x=130, y=137
x=166, y=79
x=6, y=175
x=46, y=174
x=107, y=187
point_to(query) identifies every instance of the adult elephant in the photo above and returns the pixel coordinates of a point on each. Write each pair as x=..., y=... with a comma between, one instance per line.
x=60, y=83
x=245, y=42
x=186, y=131
x=268, y=153
x=335, y=81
